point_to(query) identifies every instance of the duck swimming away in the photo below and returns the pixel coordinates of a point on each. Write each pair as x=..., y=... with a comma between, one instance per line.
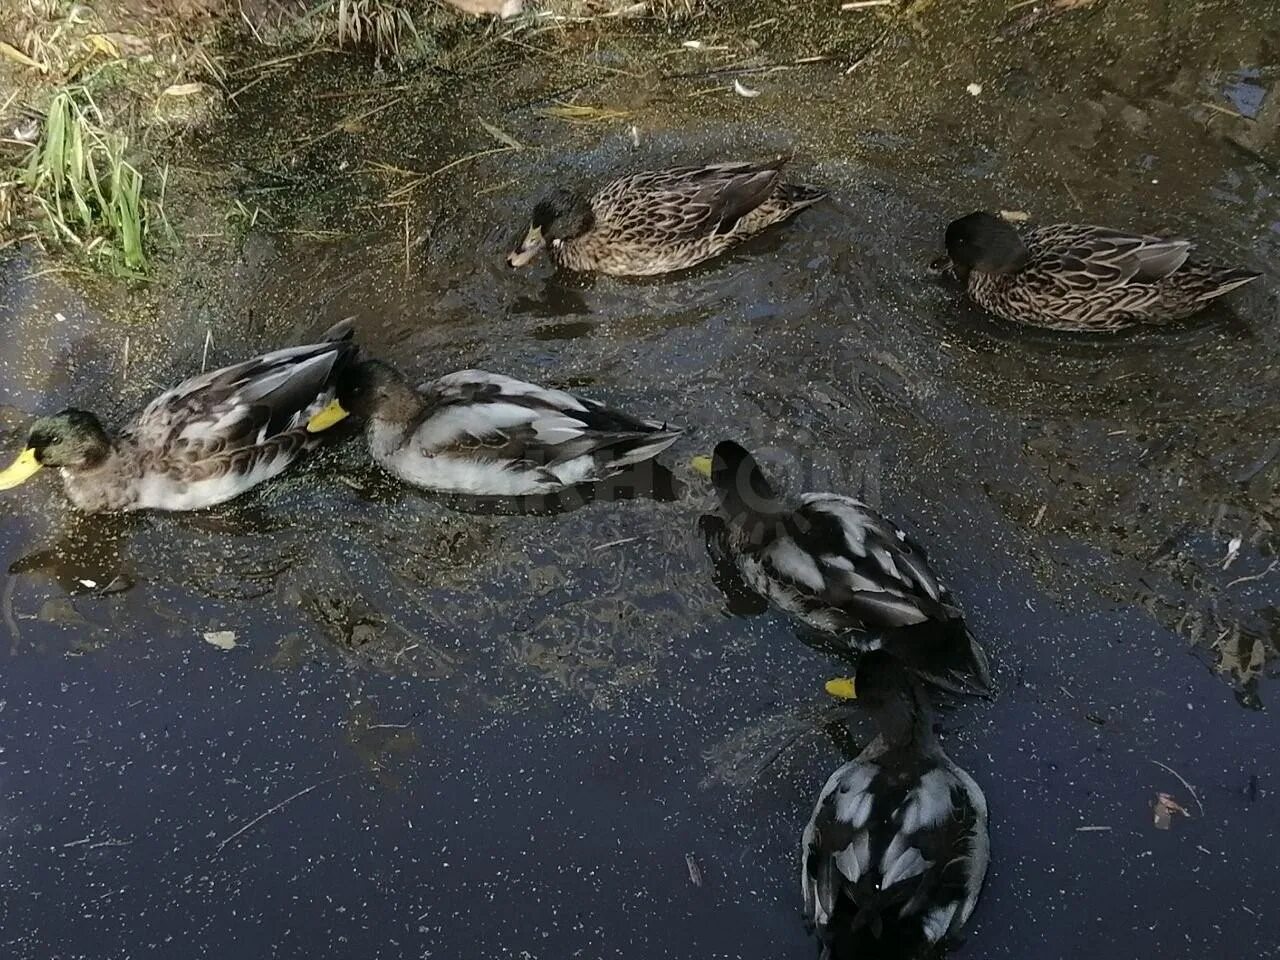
x=206, y=441
x=843, y=569
x=484, y=434
x=894, y=856
x=660, y=221
x=1082, y=278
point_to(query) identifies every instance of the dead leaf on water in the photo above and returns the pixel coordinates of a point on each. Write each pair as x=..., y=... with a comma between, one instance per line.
x=183, y=89
x=582, y=113
x=16, y=55
x=102, y=44
x=744, y=91
x=1164, y=809
x=222, y=639
x=504, y=138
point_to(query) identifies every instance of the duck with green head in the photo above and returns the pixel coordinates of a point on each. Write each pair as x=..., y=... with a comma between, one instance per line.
x=204, y=442
x=660, y=221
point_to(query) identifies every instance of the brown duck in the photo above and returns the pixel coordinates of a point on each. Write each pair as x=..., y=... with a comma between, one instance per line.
x=1074, y=277
x=660, y=221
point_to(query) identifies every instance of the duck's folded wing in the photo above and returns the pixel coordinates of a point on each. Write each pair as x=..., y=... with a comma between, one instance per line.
x=940, y=841
x=1090, y=258
x=836, y=849
x=246, y=403
x=909, y=846
x=692, y=202
x=854, y=559
x=501, y=418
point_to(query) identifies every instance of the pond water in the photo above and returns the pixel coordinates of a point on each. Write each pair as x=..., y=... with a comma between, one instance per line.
x=457, y=730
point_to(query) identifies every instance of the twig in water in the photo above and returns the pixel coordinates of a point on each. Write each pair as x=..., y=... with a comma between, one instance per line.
x=279, y=806
x=409, y=188
x=10, y=621
x=406, y=241
x=337, y=127
x=1190, y=789
x=1256, y=576
x=616, y=543
x=124, y=364
x=208, y=342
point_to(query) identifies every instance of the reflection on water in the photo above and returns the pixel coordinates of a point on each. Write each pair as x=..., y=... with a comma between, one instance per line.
x=524, y=718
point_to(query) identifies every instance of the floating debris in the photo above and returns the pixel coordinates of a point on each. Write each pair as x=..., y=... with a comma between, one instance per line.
x=695, y=871
x=1164, y=809
x=974, y=89
x=1233, y=551
x=222, y=639
x=744, y=91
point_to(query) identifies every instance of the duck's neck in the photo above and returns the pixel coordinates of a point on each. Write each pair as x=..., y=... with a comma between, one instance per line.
x=111, y=483
x=399, y=416
x=906, y=720
x=753, y=511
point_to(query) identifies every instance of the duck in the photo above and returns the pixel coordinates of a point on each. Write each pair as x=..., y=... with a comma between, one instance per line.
x=844, y=570
x=893, y=859
x=660, y=221
x=206, y=441
x=485, y=434
x=1082, y=278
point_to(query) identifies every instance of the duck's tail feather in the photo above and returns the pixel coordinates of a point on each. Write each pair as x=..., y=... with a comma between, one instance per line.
x=945, y=653
x=797, y=196
x=344, y=329
x=1224, y=281
x=636, y=448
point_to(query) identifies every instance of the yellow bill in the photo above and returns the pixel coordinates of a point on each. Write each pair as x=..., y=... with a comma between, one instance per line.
x=20, y=471
x=842, y=688
x=701, y=466
x=326, y=418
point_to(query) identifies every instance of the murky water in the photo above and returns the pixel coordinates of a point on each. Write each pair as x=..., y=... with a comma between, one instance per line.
x=455, y=731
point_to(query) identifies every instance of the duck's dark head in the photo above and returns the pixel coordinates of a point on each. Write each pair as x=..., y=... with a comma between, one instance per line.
x=559, y=216
x=983, y=242
x=737, y=477
x=888, y=690
x=71, y=440
x=749, y=504
x=366, y=390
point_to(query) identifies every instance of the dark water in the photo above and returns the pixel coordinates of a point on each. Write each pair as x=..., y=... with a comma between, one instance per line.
x=476, y=733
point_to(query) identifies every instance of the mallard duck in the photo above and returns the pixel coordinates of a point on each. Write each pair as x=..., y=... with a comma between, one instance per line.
x=1070, y=277
x=485, y=434
x=661, y=220
x=207, y=440
x=894, y=856
x=843, y=569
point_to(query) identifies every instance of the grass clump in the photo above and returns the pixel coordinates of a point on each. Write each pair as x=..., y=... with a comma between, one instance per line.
x=90, y=194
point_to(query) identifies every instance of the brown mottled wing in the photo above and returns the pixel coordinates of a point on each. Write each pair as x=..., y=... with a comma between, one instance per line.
x=689, y=202
x=1081, y=259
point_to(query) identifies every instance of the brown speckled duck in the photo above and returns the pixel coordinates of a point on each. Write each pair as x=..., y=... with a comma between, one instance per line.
x=1082, y=278
x=661, y=220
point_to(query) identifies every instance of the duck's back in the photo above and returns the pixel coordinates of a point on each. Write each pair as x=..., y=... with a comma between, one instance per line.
x=660, y=221
x=894, y=855
x=1089, y=278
